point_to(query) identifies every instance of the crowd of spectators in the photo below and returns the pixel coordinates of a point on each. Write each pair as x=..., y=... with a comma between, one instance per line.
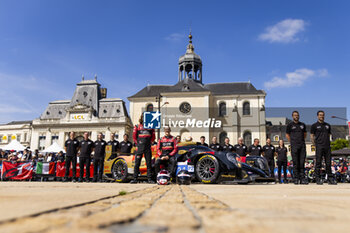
x=28, y=155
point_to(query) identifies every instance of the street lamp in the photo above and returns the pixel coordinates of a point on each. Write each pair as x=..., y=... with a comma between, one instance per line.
x=341, y=118
x=158, y=99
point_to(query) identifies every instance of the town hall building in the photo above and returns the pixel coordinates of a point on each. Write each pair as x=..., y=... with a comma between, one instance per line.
x=239, y=106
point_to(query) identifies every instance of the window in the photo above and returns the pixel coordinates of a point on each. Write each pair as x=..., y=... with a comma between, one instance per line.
x=42, y=140
x=246, y=109
x=222, y=109
x=247, y=138
x=313, y=148
x=54, y=138
x=149, y=108
x=18, y=137
x=222, y=137
x=1, y=138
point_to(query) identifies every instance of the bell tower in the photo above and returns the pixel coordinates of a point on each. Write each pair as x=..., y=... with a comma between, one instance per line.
x=190, y=64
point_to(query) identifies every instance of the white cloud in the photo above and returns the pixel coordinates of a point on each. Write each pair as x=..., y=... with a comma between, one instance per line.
x=286, y=31
x=175, y=37
x=296, y=78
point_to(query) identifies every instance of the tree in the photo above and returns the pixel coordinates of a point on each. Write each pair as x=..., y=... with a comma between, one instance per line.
x=339, y=143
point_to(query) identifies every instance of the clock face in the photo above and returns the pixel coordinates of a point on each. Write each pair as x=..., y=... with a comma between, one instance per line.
x=185, y=107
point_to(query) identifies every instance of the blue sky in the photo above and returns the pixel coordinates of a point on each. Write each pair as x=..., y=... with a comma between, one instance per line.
x=297, y=51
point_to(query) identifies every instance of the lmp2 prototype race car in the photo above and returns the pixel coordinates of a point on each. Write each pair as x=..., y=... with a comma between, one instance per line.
x=204, y=164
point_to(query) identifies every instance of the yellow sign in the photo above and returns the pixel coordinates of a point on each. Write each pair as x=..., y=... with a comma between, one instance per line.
x=4, y=138
x=79, y=117
x=13, y=137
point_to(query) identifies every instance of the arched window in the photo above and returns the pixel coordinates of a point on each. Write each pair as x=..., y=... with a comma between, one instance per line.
x=149, y=108
x=246, y=108
x=222, y=137
x=222, y=109
x=247, y=138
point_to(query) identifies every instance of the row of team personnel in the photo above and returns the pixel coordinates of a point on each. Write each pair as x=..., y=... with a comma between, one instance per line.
x=167, y=148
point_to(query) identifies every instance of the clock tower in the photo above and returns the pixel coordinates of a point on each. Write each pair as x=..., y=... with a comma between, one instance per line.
x=190, y=64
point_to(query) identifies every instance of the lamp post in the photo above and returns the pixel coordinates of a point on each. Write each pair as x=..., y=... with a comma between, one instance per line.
x=158, y=99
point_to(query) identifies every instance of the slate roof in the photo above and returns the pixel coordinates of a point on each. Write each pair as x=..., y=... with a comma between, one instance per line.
x=189, y=85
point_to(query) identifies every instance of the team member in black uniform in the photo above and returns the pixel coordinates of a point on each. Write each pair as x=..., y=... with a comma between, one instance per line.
x=202, y=142
x=320, y=137
x=215, y=145
x=255, y=149
x=99, y=157
x=115, y=146
x=143, y=138
x=86, y=148
x=71, y=147
x=241, y=149
x=227, y=147
x=269, y=154
x=125, y=146
x=296, y=134
x=281, y=151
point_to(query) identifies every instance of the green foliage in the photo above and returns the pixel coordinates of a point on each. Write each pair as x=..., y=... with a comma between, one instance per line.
x=122, y=192
x=338, y=144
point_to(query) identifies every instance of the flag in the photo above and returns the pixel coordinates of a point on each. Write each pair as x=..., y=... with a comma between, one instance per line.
x=17, y=170
x=45, y=168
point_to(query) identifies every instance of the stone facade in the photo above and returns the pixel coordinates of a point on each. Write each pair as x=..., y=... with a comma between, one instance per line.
x=238, y=105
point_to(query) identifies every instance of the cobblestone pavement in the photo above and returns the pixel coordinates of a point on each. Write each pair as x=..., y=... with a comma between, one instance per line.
x=195, y=208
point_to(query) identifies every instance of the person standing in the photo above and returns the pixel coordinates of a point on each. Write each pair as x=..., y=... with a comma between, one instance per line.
x=143, y=138
x=215, y=145
x=241, y=149
x=269, y=153
x=71, y=147
x=227, y=147
x=115, y=146
x=99, y=157
x=125, y=146
x=281, y=151
x=320, y=137
x=255, y=149
x=202, y=142
x=166, y=149
x=296, y=134
x=86, y=148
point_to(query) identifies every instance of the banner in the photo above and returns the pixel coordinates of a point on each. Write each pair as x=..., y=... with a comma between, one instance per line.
x=45, y=168
x=61, y=170
x=17, y=170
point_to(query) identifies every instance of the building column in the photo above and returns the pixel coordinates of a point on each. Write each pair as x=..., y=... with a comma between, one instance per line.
x=61, y=139
x=48, y=139
x=93, y=135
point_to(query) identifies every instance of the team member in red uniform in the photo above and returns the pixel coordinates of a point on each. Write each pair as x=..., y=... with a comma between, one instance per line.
x=166, y=149
x=143, y=138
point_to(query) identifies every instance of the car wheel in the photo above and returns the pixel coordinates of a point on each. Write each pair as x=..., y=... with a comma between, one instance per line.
x=207, y=169
x=120, y=171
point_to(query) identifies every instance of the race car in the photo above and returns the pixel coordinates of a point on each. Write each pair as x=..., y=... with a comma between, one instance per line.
x=209, y=166
x=205, y=165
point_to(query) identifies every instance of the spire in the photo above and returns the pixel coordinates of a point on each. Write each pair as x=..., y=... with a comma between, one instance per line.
x=190, y=47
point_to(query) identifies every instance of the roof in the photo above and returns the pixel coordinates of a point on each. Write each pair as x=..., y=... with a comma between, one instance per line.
x=190, y=85
x=19, y=122
x=233, y=88
x=344, y=151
